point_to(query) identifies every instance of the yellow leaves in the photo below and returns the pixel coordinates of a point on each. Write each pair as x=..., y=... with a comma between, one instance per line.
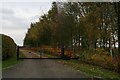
x=103, y=59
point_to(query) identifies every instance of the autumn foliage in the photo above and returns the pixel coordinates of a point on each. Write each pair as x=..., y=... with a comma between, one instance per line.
x=90, y=27
x=101, y=58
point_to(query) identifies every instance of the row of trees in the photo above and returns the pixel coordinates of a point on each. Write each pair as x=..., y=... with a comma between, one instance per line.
x=77, y=25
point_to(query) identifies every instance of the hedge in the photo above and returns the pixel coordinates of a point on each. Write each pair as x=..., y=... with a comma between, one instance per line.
x=8, y=47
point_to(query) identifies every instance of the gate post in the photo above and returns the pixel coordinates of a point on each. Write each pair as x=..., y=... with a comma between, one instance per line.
x=17, y=52
x=62, y=52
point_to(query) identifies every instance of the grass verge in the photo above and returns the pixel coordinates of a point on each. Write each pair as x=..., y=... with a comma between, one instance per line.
x=90, y=70
x=11, y=61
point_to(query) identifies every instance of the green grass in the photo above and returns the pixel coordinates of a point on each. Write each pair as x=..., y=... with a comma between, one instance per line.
x=0, y=65
x=47, y=54
x=51, y=56
x=21, y=55
x=90, y=70
x=11, y=61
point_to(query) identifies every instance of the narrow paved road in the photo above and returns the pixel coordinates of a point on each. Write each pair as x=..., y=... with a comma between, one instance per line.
x=41, y=68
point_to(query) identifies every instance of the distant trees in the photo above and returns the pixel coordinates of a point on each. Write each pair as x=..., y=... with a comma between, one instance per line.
x=117, y=9
x=77, y=25
x=8, y=47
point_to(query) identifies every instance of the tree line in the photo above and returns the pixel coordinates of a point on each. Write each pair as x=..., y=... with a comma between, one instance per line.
x=77, y=25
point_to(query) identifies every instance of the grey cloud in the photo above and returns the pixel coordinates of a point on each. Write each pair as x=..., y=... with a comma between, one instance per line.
x=6, y=11
x=17, y=35
x=34, y=17
x=92, y=0
x=10, y=21
x=15, y=24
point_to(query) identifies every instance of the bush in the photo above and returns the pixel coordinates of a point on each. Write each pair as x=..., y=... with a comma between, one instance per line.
x=100, y=58
x=8, y=47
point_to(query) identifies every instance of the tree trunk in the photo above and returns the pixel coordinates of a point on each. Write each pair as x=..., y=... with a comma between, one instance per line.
x=114, y=42
x=119, y=34
x=104, y=42
x=95, y=45
x=79, y=41
x=110, y=47
x=117, y=8
x=62, y=51
x=119, y=27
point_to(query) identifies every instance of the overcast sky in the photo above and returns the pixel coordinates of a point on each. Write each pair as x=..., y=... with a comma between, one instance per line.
x=17, y=16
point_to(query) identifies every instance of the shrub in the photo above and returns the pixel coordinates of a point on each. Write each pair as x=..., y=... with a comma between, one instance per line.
x=101, y=58
x=8, y=47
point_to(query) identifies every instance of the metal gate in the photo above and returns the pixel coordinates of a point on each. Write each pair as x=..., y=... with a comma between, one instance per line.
x=40, y=55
